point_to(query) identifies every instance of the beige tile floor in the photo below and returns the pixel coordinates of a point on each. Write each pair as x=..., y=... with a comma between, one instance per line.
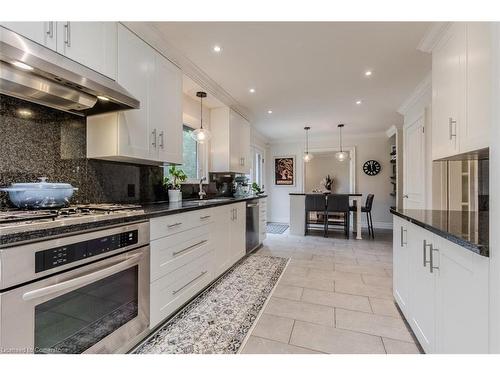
x=334, y=297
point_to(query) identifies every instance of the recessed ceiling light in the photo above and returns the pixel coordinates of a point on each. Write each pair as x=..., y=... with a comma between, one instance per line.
x=252, y=91
x=103, y=98
x=24, y=112
x=22, y=65
x=269, y=111
x=217, y=48
x=358, y=102
x=368, y=73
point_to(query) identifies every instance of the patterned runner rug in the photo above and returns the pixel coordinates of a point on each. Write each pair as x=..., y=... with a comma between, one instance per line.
x=276, y=228
x=218, y=320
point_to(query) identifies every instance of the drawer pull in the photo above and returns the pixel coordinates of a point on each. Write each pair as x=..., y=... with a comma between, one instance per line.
x=174, y=225
x=204, y=217
x=189, y=283
x=188, y=248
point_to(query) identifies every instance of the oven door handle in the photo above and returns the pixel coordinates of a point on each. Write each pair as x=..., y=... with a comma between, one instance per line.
x=81, y=280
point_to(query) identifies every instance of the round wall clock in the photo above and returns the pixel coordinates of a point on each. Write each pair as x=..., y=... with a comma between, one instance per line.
x=371, y=167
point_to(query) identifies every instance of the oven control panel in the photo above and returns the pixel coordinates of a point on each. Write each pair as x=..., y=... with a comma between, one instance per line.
x=59, y=256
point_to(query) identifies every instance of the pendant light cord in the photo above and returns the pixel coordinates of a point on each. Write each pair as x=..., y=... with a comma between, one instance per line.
x=201, y=112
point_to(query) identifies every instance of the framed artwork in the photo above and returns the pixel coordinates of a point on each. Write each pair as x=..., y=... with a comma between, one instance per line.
x=284, y=170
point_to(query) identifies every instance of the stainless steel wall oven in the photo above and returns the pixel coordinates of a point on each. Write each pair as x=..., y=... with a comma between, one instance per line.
x=84, y=293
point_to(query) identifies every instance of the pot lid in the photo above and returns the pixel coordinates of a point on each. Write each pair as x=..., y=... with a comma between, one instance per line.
x=43, y=184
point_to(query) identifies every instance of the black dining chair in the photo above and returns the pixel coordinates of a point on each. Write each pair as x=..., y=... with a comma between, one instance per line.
x=314, y=203
x=368, y=209
x=338, y=204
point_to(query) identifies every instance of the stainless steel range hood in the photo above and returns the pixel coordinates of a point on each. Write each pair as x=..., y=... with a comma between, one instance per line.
x=34, y=73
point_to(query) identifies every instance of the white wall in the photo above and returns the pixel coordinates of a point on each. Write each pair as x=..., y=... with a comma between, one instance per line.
x=367, y=146
x=326, y=164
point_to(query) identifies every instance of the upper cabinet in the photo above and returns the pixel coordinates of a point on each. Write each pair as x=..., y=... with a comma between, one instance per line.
x=153, y=133
x=461, y=89
x=92, y=44
x=230, y=143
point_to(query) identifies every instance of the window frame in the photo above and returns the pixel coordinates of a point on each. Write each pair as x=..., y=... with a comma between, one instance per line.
x=202, y=159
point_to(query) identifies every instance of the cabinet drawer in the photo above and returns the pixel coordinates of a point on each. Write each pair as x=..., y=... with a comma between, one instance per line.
x=171, y=224
x=172, y=252
x=173, y=290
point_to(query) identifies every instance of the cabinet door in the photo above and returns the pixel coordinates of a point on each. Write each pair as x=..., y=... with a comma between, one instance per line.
x=166, y=109
x=414, y=165
x=235, y=161
x=448, y=91
x=245, y=146
x=400, y=255
x=135, y=63
x=93, y=44
x=43, y=33
x=220, y=238
x=238, y=228
x=422, y=286
x=474, y=131
x=462, y=299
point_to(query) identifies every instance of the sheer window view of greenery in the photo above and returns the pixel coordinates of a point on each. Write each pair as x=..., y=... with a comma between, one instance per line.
x=189, y=154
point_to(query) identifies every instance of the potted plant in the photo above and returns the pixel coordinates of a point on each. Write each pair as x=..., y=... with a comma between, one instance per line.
x=173, y=183
x=257, y=189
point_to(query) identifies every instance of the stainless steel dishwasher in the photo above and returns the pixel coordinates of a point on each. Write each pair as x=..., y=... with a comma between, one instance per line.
x=252, y=225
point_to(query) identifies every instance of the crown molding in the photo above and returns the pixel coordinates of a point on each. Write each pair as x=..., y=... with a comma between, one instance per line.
x=322, y=139
x=432, y=36
x=153, y=36
x=424, y=88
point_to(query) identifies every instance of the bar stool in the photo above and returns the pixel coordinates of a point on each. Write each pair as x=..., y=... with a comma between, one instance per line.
x=338, y=203
x=368, y=209
x=314, y=203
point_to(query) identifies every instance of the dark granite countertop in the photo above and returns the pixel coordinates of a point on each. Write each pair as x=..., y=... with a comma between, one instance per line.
x=467, y=229
x=351, y=194
x=149, y=210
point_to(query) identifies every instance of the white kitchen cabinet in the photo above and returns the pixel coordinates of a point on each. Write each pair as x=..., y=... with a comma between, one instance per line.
x=447, y=308
x=93, y=44
x=422, y=287
x=230, y=143
x=448, y=91
x=153, y=133
x=44, y=33
x=237, y=231
x=462, y=299
x=223, y=219
x=401, y=257
x=262, y=220
x=461, y=89
x=475, y=130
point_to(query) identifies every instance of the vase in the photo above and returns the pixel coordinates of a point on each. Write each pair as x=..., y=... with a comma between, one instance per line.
x=174, y=196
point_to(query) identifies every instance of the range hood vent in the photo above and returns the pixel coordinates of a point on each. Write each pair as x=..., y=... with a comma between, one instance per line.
x=37, y=74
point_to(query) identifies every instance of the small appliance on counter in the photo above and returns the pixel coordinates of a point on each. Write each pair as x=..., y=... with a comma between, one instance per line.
x=241, y=187
x=43, y=194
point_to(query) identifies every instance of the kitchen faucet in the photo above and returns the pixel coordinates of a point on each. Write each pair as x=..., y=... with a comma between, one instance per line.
x=202, y=193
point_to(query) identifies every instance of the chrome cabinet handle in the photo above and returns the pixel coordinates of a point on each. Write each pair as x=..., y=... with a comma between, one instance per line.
x=189, y=283
x=204, y=217
x=424, y=248
x=153, y=133
x=173, y=225
x=405, y=195
x=50, y=29
x=402, y=236
x=175, y=253
x=452, y=122
x=81, y=280
x=432, y=267
x=253, y=205
x=161, y=140
x=67, y=34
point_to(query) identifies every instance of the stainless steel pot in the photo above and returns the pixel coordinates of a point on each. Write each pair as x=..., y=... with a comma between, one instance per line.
x=41, y=194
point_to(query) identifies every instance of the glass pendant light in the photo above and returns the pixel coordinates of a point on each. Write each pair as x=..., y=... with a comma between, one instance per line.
x=307, y=156
x=341, y=155
x=201, y=135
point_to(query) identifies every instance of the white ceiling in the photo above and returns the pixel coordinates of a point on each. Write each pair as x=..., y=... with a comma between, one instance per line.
x=309, y=73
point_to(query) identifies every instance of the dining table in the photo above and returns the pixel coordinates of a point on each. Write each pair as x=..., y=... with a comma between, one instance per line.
x=298, y=206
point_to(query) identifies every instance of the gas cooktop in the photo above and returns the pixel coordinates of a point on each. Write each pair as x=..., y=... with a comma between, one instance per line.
x=17, y=220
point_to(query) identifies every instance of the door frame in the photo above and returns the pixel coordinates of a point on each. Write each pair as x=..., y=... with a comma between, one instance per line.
x=407, y=125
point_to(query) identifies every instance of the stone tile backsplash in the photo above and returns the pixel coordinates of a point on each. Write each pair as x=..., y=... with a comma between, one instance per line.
x=52, y=144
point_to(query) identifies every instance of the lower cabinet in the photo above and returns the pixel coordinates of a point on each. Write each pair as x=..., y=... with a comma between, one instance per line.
x=442, y=289
x=188, y=251
x=262, y=220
